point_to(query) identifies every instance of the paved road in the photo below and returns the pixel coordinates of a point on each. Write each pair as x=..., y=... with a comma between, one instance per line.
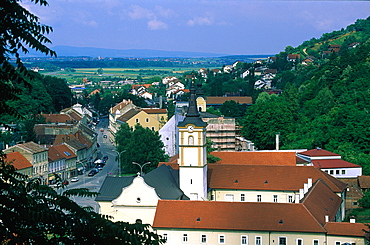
x=94, y=183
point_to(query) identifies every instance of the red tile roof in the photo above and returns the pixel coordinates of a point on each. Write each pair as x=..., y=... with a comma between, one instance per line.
x=318, y=153
x=63, y=152
x=120, y=106
x=321, y=201
x=54, y=155
x=334, y=163
x=214, y=215
x=257, y=158
x=17, y=160
x=261, y=177
x=57, y=118
x=220, y=100
x=155, y=111
x=364, y=182
x=346, y=229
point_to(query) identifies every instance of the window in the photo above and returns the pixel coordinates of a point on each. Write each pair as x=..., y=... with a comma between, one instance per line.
x=282, y=240
x=185, y=237
x=191, y=140
x=336, y=171
x=337, y=243
x=165, y=237
x=244, y=240
x=326, y=171
x=242, y=197
x=299, y=241
x=258, y=240
x=315, y=242
x=275, y=198
x=259, y=198
x=354, y=203
x=153, y=129
x=343, y=171
x=137, y=120
x=203, y=238
x=221, y=239
x=331, y=171
x=212, y=197
x=290, y=198
x=229, y=197
x=146, y=119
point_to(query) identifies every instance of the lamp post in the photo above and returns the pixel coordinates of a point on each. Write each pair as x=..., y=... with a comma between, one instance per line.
x=141, y=167
x=119, y=161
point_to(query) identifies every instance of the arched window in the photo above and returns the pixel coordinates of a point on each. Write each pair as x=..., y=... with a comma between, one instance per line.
x=191, y=140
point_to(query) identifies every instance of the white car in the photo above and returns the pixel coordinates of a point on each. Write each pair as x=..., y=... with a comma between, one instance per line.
x=74, y=179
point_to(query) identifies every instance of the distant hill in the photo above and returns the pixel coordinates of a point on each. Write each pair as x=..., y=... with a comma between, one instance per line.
x=122, y=53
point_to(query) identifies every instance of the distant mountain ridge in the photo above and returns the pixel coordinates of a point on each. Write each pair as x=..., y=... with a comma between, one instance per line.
x=124, y=53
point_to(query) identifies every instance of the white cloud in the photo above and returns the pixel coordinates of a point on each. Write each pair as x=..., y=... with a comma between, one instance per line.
x=200, y=21
x=138, y=12
x=156, y=25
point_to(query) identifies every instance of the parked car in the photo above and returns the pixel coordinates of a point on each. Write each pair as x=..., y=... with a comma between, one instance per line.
x=65, y=182
x=105, y=158
x=74, y=179
x=104, y=136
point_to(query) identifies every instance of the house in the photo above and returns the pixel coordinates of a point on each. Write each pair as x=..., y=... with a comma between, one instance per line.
x=203, y=72
x=58, y=118
x=136, y=197
x=169, y=135
x=36, y=155
x=20, y=163
x=216, y=71
x=56, y=165
x=67, y=168
x=228, y=69
x=117, y=111
x=293, y=57
x=245, y=73
x=166, y=80
x=331, y=163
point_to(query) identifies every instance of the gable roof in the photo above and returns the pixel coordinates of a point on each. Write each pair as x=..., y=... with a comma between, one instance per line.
x=164, y=179
x=214, y=215
x=120, y=106
x=334, y=163
x=31, y=147
x=155, y=111
x=256, y=158
x=128, y=115
x=54, y=154
x=213, y=100
x=261, y=177
x=17, y=160
x=321, y=201
x=318, y=152
x=64, y=151
x=57, y=118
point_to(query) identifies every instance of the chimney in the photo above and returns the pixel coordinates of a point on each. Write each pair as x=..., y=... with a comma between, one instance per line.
x=352, y=219
x=309, y=183
x=326, y=218
x=305, y=188
x=301, y=194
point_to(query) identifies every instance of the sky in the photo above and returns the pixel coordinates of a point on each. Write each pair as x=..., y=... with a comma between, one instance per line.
x=239, y=27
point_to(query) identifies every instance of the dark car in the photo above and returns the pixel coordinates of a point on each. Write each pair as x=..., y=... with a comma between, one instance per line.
x=93, y=172
x=105, y=158
x=65, y=182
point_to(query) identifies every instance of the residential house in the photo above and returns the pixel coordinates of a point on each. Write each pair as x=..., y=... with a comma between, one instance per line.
x=20, y=163
x=293, y=57
x=36, y=155
x=166, y=80
x=331, y=163
x=203, y=72
x=169, y=135
x=216, y=71
x=70, y=160
x=57, y=165
x=245, y=73
x=153, y=119
x=117, y=111
x=228, y=69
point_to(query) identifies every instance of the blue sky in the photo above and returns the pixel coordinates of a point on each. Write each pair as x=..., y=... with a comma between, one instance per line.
x=214, y=26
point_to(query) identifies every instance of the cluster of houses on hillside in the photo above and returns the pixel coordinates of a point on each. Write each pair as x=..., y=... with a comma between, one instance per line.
x=66, y=146
x=250, y=197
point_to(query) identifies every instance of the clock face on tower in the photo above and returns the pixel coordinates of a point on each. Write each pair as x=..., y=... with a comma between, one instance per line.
x=190, y=128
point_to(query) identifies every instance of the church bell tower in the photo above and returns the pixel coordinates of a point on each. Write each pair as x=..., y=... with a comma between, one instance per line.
x=192, y=152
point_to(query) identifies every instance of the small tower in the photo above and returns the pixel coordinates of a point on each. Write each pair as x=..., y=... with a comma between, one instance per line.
x=192, y=152
x=201, y=102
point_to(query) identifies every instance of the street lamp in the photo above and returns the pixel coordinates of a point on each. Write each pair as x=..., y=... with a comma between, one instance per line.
x=119, y=161
x=141, y=167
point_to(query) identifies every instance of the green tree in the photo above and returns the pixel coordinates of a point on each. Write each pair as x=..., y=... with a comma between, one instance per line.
x=140, y=145
x=100, y=71
x=364, y=202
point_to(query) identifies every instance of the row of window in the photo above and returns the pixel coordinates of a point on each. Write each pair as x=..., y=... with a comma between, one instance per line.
x=230, y=197
x=40, y=157
x=146, y=120
x=244, y=240
x=337, y=172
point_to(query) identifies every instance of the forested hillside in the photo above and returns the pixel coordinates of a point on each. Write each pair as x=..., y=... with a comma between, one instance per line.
x=324, y=104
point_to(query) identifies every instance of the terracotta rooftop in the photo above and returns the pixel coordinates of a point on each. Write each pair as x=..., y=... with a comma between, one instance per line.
x=257, y=158
x=334, y=163
x=261, y=177
x=220, y=100
x=214, y=215
x=60, y=151
x=155, y=111
x=120, y=106
x=318, y=153
x=364, y=182
x=57, y=118
x=346, y=229
x=17, y=160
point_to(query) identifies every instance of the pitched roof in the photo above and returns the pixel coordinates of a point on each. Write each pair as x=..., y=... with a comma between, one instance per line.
x=57, y=118
x=346, y=229
x=334, y=163
x=262, y=177
x=321, y=201
x=164, y=179
x=128, y=115
x=54, y=154
x=257, y=158
x=17, y=160
x=213, y=100
x=155, y=111
x=120, y=106
x=364, y=182
x=318, y=153
x=64, y=151
x=30, y=147
x=81, y=138
x=234, y=216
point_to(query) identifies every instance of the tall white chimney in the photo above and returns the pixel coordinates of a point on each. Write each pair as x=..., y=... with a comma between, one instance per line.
x=309, y=183
x=326, y=218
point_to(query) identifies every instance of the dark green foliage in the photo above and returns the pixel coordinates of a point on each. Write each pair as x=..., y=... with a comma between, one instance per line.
x=211, y=158
x=140, y=145
x=32, y=213
x=364, y=202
